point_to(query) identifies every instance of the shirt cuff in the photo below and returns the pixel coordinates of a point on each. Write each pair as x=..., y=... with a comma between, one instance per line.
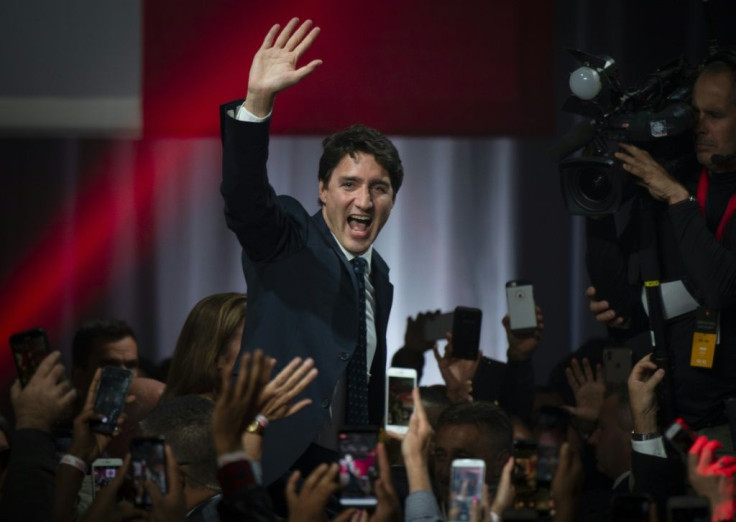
x=243, y=114
x=653, y=447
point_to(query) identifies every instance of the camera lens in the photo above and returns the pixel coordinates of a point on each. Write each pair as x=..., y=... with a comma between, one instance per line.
x=594, y=184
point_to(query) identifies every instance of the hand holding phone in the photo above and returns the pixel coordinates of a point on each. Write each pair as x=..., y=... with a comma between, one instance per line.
x=466, y=488
x=148, y=463
x=399, y=402
x=110, y=398
x=358, y=466
x=103, y=472
x=522, y=309
x=29, y=348
x=466, y=332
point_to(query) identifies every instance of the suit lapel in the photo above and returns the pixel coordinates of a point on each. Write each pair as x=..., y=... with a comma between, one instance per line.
x=327, y=234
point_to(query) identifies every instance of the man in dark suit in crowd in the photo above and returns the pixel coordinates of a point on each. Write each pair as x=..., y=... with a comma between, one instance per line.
x=308, y=295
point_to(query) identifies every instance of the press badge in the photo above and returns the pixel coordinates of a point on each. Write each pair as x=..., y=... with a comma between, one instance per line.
x=706, y=337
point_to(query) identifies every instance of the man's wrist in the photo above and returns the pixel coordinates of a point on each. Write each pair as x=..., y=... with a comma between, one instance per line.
x=678, y=196
x=33, y=423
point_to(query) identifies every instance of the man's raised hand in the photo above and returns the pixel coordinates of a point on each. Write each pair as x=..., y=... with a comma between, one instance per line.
x=274, y=66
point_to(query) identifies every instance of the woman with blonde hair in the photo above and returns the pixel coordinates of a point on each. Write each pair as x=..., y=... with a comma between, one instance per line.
x=209, y=341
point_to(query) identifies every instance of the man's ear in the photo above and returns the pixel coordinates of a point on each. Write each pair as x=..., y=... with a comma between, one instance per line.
x=322, y=190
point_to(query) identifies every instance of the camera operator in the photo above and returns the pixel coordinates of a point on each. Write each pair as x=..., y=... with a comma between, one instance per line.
x=696, y=236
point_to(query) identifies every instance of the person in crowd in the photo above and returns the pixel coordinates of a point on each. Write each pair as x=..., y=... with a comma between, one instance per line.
x=697, y=255
x=317, y=287
x=28, y=490
x=99, y=343
x=185, y=424
x=5, y=444
x=209, y=340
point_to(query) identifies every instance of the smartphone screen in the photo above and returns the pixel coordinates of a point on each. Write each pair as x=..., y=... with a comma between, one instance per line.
x=29, y=349
x=524, y=475
x=522, y=310
x=358, y=466
x=438, y=326
x=103, y=471
x=110, y=398
x=616, y=365
x=466, y=488
x=399, y=401
x=680, y=436
x=466, y=332
x=148, y=463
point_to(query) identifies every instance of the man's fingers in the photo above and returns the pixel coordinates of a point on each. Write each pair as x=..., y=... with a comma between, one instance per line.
x=268, y=40
x=47, y=365
x=291, y=496
x=286, y=33
x=299, y=406
x=92, y=392
x=587, y=370
x=571, y=381
x=298, y=35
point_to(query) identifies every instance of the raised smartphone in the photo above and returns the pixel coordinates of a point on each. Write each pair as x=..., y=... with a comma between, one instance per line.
x=29, y=349
x=399, y=401
x=466, y=332
x=680, y=436
x=147, y=463
x=103, y=471
x=616, y=365
x=437, y=326
x=110, y=398
x=358, y=466
x=466, y=488
x=522, y=309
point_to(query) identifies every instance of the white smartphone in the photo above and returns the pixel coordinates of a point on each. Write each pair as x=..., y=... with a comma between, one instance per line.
x=103, y=471
x=466, y=488
x=399, y=402
x=522, y=309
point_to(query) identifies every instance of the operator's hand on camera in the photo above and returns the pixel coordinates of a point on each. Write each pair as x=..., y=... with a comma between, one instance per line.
x=643, y=382
x=414, y=334
x=456, y=372
x=712, y=480
x=651, y=175
x=46, y=397
x=523, y=345
x=274, y=66
x=106, y=506
x=589, y=390
x=603, y=311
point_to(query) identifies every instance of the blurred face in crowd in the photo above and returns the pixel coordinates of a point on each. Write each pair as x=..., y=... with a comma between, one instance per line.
x=714, y=101
x=356, y=201
x=612, y=439
x=120, y=354
x=464, y=441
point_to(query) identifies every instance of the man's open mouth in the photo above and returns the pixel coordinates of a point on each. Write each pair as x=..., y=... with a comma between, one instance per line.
x=359, y=223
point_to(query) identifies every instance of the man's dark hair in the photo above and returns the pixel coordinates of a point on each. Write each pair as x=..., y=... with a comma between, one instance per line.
x=722, y=62
x=95, y=333
x=359, y=138
x=186, y=424
x=485, y=416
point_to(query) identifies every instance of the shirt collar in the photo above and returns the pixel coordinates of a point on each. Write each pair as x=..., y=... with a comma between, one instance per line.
x=367, y=255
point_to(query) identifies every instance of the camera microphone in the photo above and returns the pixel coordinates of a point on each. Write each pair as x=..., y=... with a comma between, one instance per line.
x=722, y=159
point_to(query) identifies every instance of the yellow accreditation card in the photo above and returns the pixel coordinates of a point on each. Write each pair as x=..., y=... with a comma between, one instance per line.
x=705, y=338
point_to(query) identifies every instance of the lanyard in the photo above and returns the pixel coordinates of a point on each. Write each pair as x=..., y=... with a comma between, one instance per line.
x=703, y=183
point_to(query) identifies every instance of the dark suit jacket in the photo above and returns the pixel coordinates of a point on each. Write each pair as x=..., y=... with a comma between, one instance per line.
x=302, y=291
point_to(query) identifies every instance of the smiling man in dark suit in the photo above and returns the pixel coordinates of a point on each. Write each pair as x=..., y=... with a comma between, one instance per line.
x=316, y=286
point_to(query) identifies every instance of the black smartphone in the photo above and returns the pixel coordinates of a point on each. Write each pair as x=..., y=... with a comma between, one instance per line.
x=688, y=509
x=29, y=349
x=466, y=332
x=680, y=436
x=358, y=466
x=147, y=463
x=630, y=507
x=617, y=363
x=110, y=398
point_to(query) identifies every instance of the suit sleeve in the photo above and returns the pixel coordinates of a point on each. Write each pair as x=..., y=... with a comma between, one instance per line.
x=252, y=210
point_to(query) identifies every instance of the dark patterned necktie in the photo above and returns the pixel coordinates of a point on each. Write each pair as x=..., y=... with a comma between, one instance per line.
x=357, y=399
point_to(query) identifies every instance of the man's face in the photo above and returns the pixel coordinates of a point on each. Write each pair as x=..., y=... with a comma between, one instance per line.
x=714, y=101
x=612, y=440
x=120, y=354
x=464, y=441
x=357, y=201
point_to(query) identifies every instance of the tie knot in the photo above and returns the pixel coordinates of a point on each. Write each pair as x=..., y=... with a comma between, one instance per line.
x=358, y=265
